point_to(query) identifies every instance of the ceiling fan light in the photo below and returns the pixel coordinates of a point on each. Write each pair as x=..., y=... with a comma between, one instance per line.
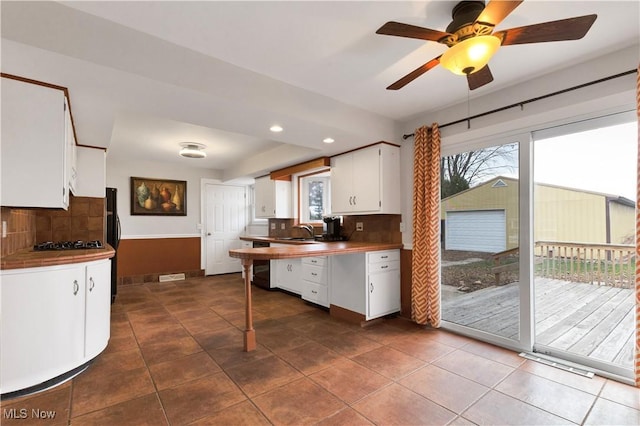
x=192, y=150
x=470, y=55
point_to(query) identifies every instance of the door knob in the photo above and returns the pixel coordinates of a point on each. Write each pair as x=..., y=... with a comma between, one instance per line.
x=209, y=234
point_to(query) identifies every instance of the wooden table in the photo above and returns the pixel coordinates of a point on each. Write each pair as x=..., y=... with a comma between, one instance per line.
x=291, y=251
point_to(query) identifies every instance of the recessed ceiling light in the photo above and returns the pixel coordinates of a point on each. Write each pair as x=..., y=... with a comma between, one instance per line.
x=328, y=140
x=192, y=150
x=275, y=128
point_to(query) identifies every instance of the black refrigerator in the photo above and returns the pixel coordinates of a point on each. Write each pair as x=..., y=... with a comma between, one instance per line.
x=113, y=236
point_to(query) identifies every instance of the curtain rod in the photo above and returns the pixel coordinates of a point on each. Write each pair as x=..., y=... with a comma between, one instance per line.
x=522, y=103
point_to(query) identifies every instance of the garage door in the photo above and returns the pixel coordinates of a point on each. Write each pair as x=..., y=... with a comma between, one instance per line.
x=479, y=230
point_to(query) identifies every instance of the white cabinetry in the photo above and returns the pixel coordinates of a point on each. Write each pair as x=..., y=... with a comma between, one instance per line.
x=91, y=172
x=383, y=283
x=97, y=328
x=285, y=274
x=315, y=280
x=272, y=198
x=54, y=319
x=71, y=154
x=367, y=283
x=34, y=147
x=366, y=181
x=245, y=245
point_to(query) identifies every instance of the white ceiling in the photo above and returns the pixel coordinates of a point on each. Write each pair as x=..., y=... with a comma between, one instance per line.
x=144, y=76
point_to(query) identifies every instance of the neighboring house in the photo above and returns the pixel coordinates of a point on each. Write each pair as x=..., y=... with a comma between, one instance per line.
x=485, y=218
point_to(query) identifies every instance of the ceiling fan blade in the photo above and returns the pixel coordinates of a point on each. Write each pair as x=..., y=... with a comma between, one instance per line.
x=414, y=74
x=480, y=78
x=564, y=29
x=410, y=31
x=496, y=11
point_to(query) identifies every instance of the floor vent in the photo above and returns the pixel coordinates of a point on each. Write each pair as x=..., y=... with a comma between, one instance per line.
x=171, y=277
x=561, y=366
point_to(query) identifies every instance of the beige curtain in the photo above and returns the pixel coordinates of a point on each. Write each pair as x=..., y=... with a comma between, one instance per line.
x=636, y=360
x=425, y=261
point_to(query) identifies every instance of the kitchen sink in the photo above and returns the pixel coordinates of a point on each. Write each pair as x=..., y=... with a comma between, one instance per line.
x=296, y=238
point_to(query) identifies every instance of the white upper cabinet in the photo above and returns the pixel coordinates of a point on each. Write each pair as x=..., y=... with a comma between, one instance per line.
x=366, y=181
x=91, y=170
x=34, y=146
x=272, y=198
x=70, y=140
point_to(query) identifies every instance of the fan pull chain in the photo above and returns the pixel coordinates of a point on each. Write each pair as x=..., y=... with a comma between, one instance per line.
x=468, y=109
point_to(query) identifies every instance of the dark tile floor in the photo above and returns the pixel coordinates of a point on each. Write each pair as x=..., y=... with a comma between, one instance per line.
x=175, y=357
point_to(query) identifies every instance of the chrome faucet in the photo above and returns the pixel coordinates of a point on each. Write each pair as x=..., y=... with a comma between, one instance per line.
x=307, y=227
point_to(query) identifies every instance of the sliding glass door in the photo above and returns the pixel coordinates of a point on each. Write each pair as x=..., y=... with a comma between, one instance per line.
x=480, y=240
x=538, y=242
x=584, y=242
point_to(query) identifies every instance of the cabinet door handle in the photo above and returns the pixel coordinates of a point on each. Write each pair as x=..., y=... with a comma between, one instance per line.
x=314, y=274
x=384, y=257
x=92, y=284
x=76, y=287
x=370, y=287
x=314, y=292
x=350, y=201
x=384, y=266
x=354, y=200
x=314, y=261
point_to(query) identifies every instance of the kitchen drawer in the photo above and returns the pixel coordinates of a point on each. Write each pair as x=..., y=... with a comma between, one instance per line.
x=384, y=266
x=315, y=293
x=383, y=256
x=315, y=274
x=317, y=260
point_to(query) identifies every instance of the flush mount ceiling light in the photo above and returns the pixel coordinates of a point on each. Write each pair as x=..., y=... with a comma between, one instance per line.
x=328, y=140
x=276, y=129
x=470, y=55
x=192, y=150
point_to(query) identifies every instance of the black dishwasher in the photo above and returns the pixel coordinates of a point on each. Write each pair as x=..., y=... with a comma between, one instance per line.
x=261, y=272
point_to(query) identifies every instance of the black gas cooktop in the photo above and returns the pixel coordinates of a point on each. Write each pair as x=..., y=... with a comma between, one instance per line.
x=68, y=245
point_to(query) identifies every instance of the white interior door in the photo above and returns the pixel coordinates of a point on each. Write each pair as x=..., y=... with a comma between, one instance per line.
x=226, y=216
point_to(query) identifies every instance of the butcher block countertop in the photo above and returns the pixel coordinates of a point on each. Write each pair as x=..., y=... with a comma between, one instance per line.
x=306, y=248
x=29, y=258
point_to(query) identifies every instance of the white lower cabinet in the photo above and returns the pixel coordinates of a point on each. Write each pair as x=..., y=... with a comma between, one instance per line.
x=315, y=280
x=383, y=283
x=285, y=274
x=97, y=328
x=367, y=283
x=54, y=319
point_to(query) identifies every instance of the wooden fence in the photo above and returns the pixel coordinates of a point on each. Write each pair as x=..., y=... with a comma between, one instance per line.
x=601, y=264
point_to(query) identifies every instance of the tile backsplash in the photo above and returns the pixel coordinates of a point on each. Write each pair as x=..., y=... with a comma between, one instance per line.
x=377, y=228
x=84, y=220
x=21, y=229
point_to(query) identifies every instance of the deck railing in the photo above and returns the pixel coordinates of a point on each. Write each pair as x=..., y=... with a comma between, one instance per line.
x=601, y=264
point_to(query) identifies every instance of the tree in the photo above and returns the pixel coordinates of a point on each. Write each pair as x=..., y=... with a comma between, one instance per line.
x=461, y=171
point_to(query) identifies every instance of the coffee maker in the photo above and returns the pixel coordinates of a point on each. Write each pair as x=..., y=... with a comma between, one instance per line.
x=332, y=229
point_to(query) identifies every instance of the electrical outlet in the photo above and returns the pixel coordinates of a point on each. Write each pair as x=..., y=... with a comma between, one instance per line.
x=283, y=226
x=273, y=226
x=359, y=226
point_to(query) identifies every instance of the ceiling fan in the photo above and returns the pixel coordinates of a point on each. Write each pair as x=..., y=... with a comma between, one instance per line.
x=472, y=42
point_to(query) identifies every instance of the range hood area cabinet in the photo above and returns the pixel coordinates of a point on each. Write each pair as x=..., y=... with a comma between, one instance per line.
x=366, y=181
x=272, y=198
x=36, y=139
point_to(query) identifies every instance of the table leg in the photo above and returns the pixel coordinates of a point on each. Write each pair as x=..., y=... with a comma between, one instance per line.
x=249, y=332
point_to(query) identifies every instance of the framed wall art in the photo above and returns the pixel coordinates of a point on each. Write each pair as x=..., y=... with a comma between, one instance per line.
x=158, y=197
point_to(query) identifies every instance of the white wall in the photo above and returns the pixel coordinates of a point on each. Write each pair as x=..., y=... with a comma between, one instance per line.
x=118, y=176
x=601, y=99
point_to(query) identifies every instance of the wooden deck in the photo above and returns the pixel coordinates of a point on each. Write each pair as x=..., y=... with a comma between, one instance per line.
x=585, y=319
